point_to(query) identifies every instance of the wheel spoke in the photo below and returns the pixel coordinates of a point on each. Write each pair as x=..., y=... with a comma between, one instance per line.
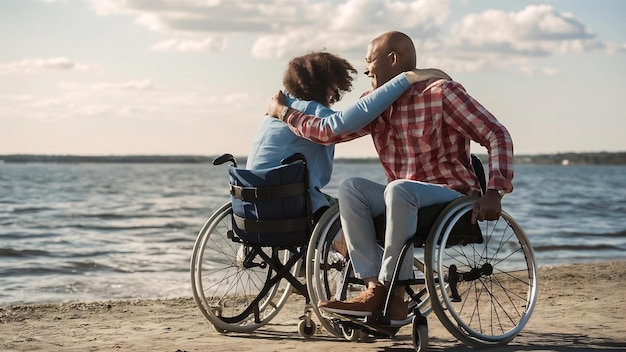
x=231, y=296
x=495, y=280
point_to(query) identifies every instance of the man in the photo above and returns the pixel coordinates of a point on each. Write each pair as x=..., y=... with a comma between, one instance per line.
x=313, y=83
x=423, y=142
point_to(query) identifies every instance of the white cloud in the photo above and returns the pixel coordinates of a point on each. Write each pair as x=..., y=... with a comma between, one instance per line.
x=194, y=16
x=96, y=100
x=37, y=65
x=550, y=71
x=537, y=30
x=14, y=97
x=284, y=28
x=616, y=48
x=209, y=44
x=112, y=87
x=92, y=111
x=61, y=1
x=135, y=85
x=130, y=100
x=349, y=27
x=513, y=40
x=49, y=103
x=423, y=17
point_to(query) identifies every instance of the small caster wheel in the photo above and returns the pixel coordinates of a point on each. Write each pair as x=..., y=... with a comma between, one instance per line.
x=420, y=334
x=350, y=334
x=306, y=331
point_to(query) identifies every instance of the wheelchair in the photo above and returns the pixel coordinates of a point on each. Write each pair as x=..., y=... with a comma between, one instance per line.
x=247, y=258
x=479, y=279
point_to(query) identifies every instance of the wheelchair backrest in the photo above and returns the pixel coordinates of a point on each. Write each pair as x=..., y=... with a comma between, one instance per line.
x=271, y=207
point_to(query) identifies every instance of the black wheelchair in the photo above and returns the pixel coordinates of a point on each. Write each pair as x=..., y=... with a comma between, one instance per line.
x=480, y=279
x=247, y=257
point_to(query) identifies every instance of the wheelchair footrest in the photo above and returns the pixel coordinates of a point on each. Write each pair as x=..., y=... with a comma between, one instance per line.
x=369, y=325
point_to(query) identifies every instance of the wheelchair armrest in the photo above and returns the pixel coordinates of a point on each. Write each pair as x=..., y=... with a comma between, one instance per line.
x=225, y=158
x=293, y=158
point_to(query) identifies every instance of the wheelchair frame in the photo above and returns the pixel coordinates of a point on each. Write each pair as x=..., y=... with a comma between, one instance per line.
x=246, y=290
x=483, y=293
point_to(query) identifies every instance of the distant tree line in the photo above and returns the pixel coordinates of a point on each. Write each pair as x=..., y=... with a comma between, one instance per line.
x=600, y=158
x=31, y=158
x=597, y=158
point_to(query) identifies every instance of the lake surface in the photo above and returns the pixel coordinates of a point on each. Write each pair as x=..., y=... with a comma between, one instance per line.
x=94, y=231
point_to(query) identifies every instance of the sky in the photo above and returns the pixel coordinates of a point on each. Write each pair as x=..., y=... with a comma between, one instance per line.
x=194, y=77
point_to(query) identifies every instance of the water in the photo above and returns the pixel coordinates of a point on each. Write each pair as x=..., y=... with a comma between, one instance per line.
x=111, y=231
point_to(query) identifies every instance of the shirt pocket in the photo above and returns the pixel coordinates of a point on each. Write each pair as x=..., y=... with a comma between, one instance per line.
x=421, y=137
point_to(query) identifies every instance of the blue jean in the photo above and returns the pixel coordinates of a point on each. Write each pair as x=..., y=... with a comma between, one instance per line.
x=361, y=200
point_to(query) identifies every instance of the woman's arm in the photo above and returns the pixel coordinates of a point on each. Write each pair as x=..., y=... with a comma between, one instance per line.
x=346, y=125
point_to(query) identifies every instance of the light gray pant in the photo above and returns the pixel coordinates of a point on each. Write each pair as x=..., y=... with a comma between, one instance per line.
x=361, y=200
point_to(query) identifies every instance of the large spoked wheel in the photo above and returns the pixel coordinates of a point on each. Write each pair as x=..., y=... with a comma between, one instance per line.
x=329, y=273
x=487, y=291
x=229, y=293
x=326, y=266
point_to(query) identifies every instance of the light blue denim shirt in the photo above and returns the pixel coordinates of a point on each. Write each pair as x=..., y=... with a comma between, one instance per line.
x=274, y=140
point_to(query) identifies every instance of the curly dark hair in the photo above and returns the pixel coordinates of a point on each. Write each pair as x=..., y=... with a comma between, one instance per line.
x=319, y=76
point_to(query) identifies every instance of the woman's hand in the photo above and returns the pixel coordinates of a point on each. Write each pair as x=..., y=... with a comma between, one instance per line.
x=277, y=104
x=419, y=75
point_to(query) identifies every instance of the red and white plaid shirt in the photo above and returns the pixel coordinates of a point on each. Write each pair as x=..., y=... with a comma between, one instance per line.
x=425, y=136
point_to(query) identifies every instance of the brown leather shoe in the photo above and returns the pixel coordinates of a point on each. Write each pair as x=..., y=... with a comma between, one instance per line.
x=398, y=309
x=368, y=301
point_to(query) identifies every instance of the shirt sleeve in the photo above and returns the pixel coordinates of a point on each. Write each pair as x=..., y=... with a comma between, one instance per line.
x=471, y=119
x=350, y=123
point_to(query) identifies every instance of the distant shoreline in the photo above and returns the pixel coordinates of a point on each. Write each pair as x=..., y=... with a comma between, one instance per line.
x=595, y=158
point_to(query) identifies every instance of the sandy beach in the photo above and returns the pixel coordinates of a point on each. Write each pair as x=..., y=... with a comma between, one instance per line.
x=581, y=307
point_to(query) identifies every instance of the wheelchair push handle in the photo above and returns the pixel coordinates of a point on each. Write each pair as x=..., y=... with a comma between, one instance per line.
x=225, y=158
x=293, y=158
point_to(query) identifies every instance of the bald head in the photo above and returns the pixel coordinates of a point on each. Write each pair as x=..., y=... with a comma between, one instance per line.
x=402, y=45
x=388, y=55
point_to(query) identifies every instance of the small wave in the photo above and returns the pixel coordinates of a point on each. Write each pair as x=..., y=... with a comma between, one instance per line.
x=177, y=240
x=113, y=216
x=106, y=216
x=182, y=209
x=607, y=234
x=543, y=214
x=21, y=253
x=565, y=247
x=67, y=268
x=176, y=225
x=24, y=271
x=8, y=201
x=119, y=228
x=555, y=203
x=89, y=266
x=27, y=210
x=91, y=254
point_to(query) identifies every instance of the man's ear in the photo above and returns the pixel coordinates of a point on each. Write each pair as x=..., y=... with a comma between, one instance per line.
x=393, y=57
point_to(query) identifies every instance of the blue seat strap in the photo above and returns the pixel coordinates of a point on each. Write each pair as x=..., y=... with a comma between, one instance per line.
x=272, y=226
x=251, y=194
